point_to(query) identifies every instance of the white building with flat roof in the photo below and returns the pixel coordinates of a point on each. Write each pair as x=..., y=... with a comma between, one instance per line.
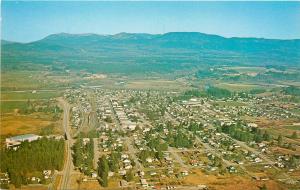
x=17, y=140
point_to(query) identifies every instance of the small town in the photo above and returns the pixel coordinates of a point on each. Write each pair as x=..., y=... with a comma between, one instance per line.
x=139, y=139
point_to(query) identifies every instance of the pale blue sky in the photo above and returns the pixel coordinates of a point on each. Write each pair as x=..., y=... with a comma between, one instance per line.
x=29, y=21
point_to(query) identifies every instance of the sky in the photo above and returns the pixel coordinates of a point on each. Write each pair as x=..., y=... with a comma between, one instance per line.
x=29, y=21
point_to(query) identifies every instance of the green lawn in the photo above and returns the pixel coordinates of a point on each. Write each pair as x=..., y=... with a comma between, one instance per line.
x=9, y=106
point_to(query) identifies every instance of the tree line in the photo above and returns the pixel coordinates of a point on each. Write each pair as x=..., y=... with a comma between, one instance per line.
x=36, y=156
x=83, y=155
x=245, y=134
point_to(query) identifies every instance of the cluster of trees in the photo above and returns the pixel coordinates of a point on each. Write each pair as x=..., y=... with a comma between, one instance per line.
x=292, y=90
x=293, y=162
x=108, y=119
x=210, y=91
x=156, y=145
x=294, y=135
x=36, y=156
x=152, y=114
x=218, y=92
x=44, y=106
x=193, y=93
x=144, y=154
x=179, y=140
x=103, y=169
x=129, y=175
x=257, y=91
x=194, y=127
x=267, y=77
x=283, y=144
x=83, y=155
x=112, y=163
x=245, y=134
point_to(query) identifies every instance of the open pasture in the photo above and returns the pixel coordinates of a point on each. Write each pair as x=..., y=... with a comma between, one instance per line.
x=29, y=95
x=238, y=87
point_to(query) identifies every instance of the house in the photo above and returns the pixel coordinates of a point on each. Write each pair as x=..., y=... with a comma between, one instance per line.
x=185, y=173
x=144, y=183
x=17, y=140
x=141, y=173
x=254, y=125
x=94, y=175
x=149, y=160
x=123, y=183
x=85, y=141
x=47, y=173
x=122, y=172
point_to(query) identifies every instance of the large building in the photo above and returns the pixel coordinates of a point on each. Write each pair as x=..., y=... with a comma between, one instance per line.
x=17, y=140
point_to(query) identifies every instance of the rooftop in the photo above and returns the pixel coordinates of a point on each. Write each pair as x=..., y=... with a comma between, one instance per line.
x=22, y=137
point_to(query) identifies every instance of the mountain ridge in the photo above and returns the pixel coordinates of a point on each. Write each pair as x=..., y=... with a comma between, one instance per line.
x=148, y=52
x=64, y=34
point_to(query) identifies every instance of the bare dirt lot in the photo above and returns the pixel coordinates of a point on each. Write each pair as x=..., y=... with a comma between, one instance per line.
x=229, y=182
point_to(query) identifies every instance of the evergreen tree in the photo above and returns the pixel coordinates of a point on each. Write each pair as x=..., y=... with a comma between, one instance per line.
x=294, y=135
x=264, y=187
x=36, y=156
x=266, y=136
x=129, y=175
x=103, y=169
x=280, y=140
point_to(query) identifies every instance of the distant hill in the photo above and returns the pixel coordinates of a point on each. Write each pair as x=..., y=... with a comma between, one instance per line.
x=4, y=42
x=129, y=52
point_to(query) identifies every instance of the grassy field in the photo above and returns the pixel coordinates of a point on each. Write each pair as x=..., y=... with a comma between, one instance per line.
x=156, y=85
x=10, y=106
x=83, y=185
x=293, y=127
x=237, y=87
x=228, y=182
x=29, y=95
x=248, y=69
x=23, y=124
x=21, y=80
x=33, y=80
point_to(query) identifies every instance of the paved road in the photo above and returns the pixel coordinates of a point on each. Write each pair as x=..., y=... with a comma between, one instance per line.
x=68, y=166
x=127, y=140
x=131, y=151
x=177, y=157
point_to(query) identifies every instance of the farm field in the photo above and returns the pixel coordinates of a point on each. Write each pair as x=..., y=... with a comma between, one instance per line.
x=11, y=96
x=12, y=106
x=228, y=182
x=12, y=125
x=238, y=87
x=155, y=85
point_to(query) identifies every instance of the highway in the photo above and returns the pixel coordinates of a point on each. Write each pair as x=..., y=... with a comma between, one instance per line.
x=68, y=166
